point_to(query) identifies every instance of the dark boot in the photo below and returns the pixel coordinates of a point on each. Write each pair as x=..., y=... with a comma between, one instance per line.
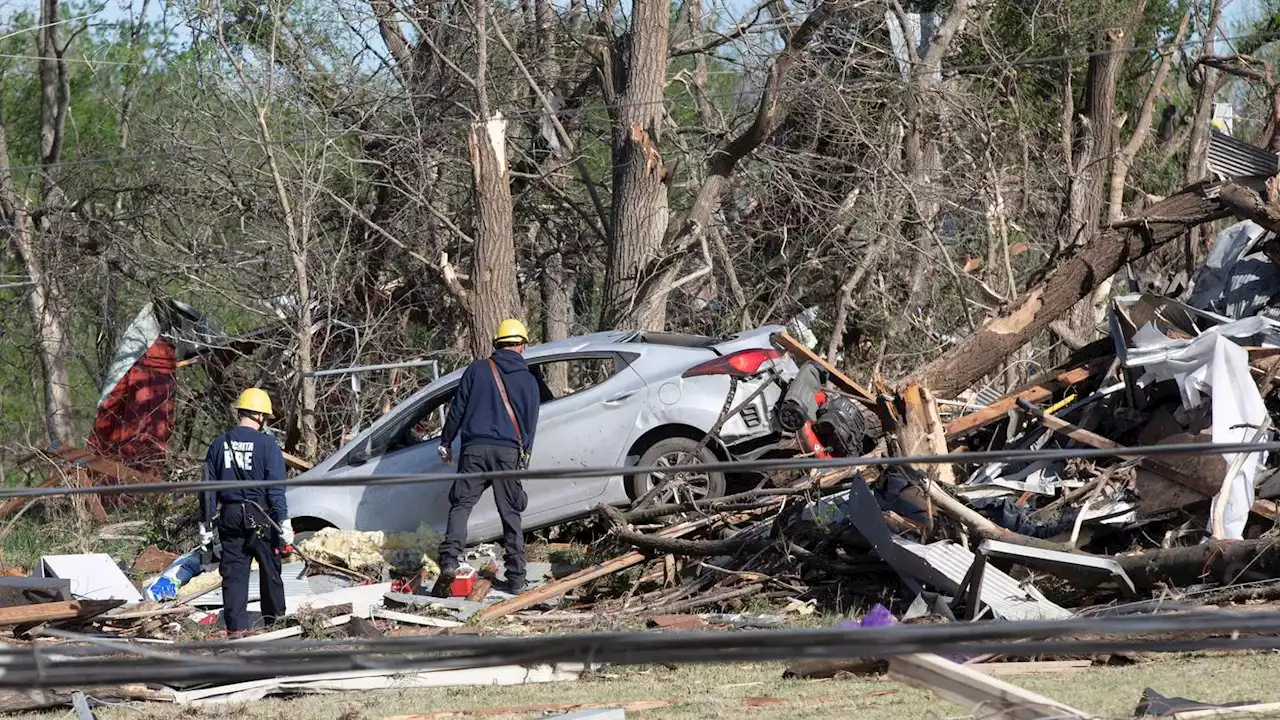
x=441, y=588
x=513, y=586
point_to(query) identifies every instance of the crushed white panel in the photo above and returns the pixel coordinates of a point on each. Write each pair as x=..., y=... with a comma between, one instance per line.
x=379, y=680
x=1214, y=365
x=93, y=576
x=1007, y=597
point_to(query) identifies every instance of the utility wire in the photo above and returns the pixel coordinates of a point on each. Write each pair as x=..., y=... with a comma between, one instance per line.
x=758, y=466
x=63, y=665
x=585, y=109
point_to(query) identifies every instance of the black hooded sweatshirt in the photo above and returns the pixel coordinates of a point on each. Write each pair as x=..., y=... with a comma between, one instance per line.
x=477, y=412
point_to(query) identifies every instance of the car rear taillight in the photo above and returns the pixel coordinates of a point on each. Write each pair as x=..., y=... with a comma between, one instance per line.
x=741, y=364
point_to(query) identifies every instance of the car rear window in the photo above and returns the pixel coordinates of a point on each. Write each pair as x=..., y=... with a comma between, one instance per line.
x=676, y=339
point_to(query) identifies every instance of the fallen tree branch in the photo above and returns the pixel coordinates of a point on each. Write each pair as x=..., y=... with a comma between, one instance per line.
x=675, y=546
x=1212, y=562
x=721, y=504
x=1073, y=278
x=685, y=605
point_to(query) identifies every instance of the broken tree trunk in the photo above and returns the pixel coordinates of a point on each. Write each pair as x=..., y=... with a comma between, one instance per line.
x=1074, y=278
x=922, y=432
x=1219, y=562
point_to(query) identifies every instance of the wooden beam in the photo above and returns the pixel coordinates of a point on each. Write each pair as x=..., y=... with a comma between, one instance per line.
x=975, y=690
x=1001, y=669
x=296, y=462
x=803, y=354
x=55, y=611
x=1032, y=393
x=410, y=619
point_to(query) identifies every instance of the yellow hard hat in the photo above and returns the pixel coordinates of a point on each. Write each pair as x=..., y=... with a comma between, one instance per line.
x=255, y=400
x=511, y=331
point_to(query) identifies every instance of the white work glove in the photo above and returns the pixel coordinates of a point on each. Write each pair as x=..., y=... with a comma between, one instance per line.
x=206, y=537
x=446, y=454
x=286, y=532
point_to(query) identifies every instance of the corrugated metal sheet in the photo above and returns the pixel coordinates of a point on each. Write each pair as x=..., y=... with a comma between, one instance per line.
x=1007, y=598
x=1232, y=158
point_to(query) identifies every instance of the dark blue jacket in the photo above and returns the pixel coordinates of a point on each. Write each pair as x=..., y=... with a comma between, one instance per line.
x=477, y=412
x=244, y=454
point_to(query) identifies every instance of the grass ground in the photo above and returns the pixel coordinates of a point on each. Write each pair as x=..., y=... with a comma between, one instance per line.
x=723, y=691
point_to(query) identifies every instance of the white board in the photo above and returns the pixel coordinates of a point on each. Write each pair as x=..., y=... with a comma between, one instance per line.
x=93, y=576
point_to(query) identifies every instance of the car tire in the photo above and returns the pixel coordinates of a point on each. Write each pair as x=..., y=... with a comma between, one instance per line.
x=677, y=451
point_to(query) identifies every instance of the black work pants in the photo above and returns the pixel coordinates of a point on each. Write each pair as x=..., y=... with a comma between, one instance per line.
x=246, y=536
x=508, y=495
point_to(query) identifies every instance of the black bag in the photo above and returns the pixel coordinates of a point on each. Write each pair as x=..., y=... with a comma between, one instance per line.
x=841, y=427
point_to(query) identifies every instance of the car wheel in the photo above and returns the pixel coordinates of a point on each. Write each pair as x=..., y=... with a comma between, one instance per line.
x=676, y=487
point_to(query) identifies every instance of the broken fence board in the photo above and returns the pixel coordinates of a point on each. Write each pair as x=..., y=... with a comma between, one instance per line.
x=565, y=707
x=964, y=685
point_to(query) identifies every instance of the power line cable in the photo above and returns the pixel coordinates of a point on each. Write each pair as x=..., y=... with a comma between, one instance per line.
x=560, y=474
x=60, y=665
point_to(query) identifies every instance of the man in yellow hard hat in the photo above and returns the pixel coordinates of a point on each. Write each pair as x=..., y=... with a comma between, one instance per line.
x=495, y=410
x=252, y=522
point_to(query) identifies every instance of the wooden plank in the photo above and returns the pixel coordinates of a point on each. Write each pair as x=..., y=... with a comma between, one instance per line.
x=537, y=710
x=296, y=462
x=411, y=619
x=54, y=611
x=1002, y=669
x=1033, y=393
x=803, y=354
x=986, y=695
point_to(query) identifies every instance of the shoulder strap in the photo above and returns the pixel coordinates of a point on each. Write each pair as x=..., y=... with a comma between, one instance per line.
x=502, y=390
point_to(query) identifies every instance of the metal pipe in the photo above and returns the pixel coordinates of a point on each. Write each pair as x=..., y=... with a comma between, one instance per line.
x=374, y=368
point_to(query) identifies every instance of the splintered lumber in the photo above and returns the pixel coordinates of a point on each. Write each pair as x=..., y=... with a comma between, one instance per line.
x=55, y=611
x=556, y=588
x=1041, y=390
x=922, y=432
x=536, y=710
x=1072, y=278
x=1214, y=562
x=975, y=690
x=803, y=354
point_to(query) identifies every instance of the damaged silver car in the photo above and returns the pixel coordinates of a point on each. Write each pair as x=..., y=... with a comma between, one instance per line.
x=610, y=399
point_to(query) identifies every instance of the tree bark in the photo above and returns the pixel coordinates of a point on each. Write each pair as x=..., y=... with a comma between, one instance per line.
x=1216, y=562
x=639, y=214
x=1205, y=81
x=493, y=295
x=1073, y=278
x=1094, y=146
x=556, y=316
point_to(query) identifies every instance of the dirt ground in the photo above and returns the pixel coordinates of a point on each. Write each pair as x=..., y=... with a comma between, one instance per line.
x=732, y=691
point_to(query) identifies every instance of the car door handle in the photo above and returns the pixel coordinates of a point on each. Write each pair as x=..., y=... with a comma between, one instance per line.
x=616, y=399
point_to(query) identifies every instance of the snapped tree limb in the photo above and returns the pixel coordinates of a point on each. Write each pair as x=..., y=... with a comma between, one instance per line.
x=1073, y=279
